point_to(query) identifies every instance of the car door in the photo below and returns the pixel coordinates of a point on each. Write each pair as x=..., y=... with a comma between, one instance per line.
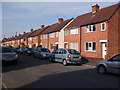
x=35, y=52
x=57, y=55
x=114, y=64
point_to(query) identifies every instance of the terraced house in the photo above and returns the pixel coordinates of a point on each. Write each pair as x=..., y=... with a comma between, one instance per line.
x=94, y=34
x=53, y=36
x=34, y=39
x=97, y=33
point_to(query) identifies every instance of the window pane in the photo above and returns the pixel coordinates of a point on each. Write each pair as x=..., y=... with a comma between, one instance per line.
x=94, y=27
x=74, y=31
x=94, y=46
x=90, y=28
x=86, y=46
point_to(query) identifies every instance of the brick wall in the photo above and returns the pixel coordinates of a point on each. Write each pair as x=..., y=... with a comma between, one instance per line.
x=93, y=37
x=114, y=34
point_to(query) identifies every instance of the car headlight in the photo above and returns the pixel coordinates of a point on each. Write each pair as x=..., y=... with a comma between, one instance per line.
x=16, y=56
x=44, y=54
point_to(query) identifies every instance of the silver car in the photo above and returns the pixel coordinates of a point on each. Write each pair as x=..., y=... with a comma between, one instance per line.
x=111, y=65
x=7, y=55
x=42, y=53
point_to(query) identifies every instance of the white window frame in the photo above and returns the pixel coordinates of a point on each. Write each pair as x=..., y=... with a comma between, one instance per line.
x=45, y=45
x=74, y=46
x=90, y=50
x=35, y=37
x=102, y=26
x=52, y=46
x=51, y=35
x=74, y=31
x=88, y=27
x=57, y=34
x=66, y=32
x=30, y=39
x=45, y=36
x=41, y=36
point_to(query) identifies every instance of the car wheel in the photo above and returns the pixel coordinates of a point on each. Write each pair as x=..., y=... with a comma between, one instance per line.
x=64, y=62
x=101, y=69
x=50, y=59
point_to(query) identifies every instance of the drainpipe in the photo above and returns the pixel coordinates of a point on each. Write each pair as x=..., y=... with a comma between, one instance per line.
x=48, y=42
x=80, y=39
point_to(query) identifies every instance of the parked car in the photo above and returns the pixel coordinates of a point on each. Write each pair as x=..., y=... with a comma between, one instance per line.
x=16, y=49
x=42, y=53
x=21, y=50
x=66, y=56
x=111, y=65
x=8, y=55
x=28, y=51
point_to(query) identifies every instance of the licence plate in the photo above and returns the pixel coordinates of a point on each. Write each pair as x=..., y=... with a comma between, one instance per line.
x=75, y=58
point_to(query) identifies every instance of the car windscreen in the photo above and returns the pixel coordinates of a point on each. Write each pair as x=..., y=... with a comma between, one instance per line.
x=44, y=50
x=73, y=51
x=5, y=50
x=30, y=49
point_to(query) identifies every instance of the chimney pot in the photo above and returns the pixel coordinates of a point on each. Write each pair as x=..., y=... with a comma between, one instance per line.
x=41, y=26
x=31, y=29
x=24, y=32
x=60, y=20
x=95, y=8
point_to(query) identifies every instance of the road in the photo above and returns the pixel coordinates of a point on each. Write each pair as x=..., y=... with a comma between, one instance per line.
x=31, y=72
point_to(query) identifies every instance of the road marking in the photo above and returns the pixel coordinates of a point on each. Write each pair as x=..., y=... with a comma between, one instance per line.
x=4, y=86
x=90, y=66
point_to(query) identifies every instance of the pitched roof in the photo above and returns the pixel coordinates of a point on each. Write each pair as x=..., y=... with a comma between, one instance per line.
x=101, y=15
x=38, y=31
x=56, y=27
x=27, y=34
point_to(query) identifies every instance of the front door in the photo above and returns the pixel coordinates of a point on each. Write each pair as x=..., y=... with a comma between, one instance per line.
x=103, y=50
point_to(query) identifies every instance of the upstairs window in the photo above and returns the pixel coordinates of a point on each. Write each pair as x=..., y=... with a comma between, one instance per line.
x=44, y=36
x=103, y=26
x=66, y=32
x=30, y=39
x=74, y=31
x=41, y=36
x=35, y=38
x=51, y=35
x=90, y=28
x=57, y=34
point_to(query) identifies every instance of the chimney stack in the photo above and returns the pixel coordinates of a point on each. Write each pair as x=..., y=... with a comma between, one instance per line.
x=41, y=26
x=31, y=29
x=24, y=32
x=95, y=8
x=60, y=20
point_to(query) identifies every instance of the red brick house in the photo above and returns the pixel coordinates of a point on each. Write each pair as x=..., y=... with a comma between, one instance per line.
x=53, y=35
x=98, y=30
x=34, y=39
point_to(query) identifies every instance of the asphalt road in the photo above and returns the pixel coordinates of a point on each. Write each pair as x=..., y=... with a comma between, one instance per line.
x=35, y=73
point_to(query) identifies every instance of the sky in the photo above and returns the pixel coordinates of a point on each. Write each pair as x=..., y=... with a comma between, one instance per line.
x=21, y=16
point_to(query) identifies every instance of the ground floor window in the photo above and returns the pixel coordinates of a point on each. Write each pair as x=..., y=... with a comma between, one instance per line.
x=74, y=46
x=45, y=46
x=90, y=46
x=51, y=46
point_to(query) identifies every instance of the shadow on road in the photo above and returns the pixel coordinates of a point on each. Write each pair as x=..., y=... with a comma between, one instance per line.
x=25, y=62
x=87, y=78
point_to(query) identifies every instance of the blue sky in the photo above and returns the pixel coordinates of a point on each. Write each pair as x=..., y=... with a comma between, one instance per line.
x=21, y=16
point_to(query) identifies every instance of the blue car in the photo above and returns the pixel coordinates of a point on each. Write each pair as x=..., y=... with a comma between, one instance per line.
x=66, y=56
